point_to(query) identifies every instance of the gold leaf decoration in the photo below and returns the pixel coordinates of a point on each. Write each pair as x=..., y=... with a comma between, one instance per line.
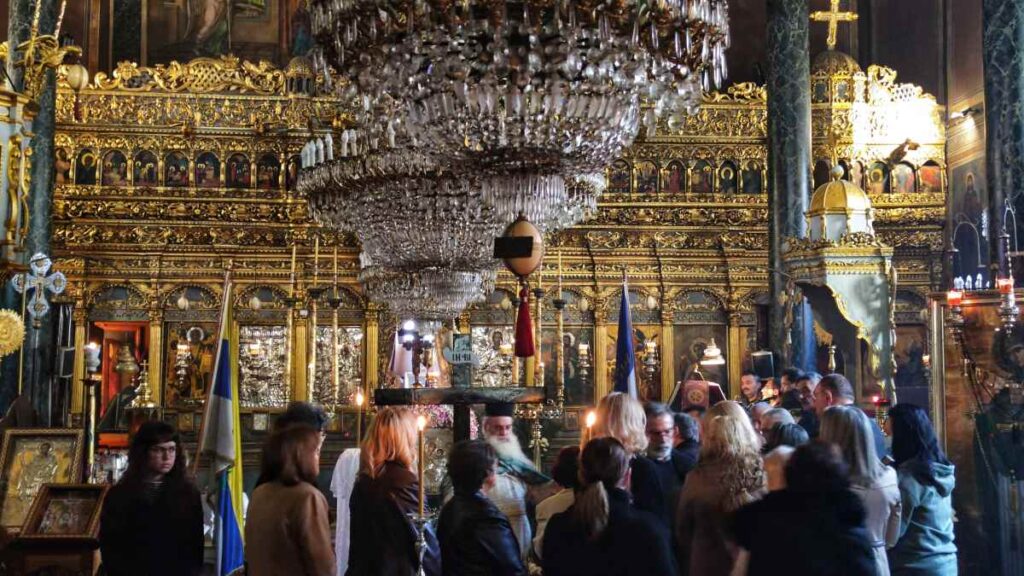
x=12, y=332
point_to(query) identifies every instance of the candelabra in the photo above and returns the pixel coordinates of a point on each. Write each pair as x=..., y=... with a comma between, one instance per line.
x=421, y=345
x=650, y=362
x=584, y=351
x=1008, y=310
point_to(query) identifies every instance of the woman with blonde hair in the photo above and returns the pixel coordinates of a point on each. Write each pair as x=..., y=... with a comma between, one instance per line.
x=603, y=533
x=383, y=540
x=622, y=417
x=873, y=482
x=729, y=475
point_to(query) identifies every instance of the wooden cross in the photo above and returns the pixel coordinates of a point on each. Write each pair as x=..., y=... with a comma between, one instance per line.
x=460, y=398
x=834, y=16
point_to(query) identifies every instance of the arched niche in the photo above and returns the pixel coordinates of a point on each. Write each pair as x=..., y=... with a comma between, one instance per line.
x=673, y=180
x=146, y=169
x=491, y=329
x=191, y=303
x=620, y=177
x=646, y=339
x=263, y=346
x=117, y=302
x=192, y=331
x=578, y=322
x=348, y=349
x=698, y=317
x=728, y=178
x=238, y=172
x=646, y=177
x=114, y=169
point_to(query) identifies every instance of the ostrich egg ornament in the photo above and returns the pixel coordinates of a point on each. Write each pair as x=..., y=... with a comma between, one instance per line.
x=523, y=266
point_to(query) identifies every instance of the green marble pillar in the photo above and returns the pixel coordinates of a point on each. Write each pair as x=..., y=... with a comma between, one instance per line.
x=789, y=167
x=1003, y=56
x=39, y=348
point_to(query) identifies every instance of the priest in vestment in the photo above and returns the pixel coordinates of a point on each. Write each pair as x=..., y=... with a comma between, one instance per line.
x=518, y=480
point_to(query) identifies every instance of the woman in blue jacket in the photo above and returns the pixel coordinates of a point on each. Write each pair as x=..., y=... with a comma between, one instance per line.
x=926, y=482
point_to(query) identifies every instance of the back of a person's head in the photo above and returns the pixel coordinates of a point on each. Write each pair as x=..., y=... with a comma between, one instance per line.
x=604, y=463
x=728, y=432
x=689, y=428
x=789, y=434
x=813, y=377
x=839, y=386
x=469, y=465
x=302, y=413
x=622, y=417
x=776, y=416
x=391, y=437
x=848, y=428
x=817, y=467
x=290, y=455
x=566, y=470
x=793, y=374
x=149, y=434
x=913, y=436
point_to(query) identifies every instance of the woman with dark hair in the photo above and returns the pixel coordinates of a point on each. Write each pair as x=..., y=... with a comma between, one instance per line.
x=566, y=472
x=818, y=518
x=152, y=520
x=287, y=530
x=925, y=544
x=603, y=533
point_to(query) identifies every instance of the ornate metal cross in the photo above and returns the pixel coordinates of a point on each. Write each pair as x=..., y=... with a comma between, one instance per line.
x=38, y=281
x=834, y=16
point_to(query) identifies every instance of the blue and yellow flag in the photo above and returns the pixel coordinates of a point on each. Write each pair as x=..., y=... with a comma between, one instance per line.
x=222, y=440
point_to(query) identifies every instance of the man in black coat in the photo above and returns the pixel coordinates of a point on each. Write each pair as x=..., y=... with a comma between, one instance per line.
x=476, y=538
x=672, y=464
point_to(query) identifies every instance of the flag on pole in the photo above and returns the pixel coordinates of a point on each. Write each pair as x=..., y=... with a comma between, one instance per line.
x=222, y=441
x=625, y=358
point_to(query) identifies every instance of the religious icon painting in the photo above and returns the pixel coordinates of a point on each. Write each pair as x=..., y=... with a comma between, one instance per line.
x=207, y=170
x=86, y=168
x=878, y=178
x=674, y=178
x=292, y=174
x=268, y=170
x=239, y=173
x=145, y=169
x=63, y=167
x=175, y=170
x=115, y=169
x=30, y=458
x=619, y=177
x=646, y=177
x=903, y=180
x=191, y=347
x=727, y=178
x=571, y=421
x=65, y=511
x=752, y=178
x=857, y=174
x=702, y=178
x=929, y=177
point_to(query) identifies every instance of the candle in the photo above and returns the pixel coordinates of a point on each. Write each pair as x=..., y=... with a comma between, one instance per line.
x=359, y=417
x=589, y=430
x=60, y=19
x=316, y=261
x=291, y=287
x=421, y=425
x=1004, y=285
x=540, y=275
x=335, y=270
x=954, y=298
x=559, y=273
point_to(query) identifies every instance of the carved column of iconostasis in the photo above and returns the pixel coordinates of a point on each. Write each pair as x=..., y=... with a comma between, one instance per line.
x=300, y=349
x=736, y=345
x=789, y=170
x=81, y=320
x=1003, y=56
x=371, y=345
x=667, y=352
x=156, y=352
x=602, y=386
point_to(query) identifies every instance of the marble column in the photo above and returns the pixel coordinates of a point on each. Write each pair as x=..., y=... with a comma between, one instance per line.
x=789, y=164
x=39, y=349
x=1003, y=56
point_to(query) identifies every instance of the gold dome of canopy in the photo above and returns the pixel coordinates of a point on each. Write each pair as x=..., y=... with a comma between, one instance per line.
x=838, y=197
x=834, y=63
x=299, y=67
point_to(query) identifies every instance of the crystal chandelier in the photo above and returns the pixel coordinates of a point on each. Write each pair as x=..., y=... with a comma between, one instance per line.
x=474, y=112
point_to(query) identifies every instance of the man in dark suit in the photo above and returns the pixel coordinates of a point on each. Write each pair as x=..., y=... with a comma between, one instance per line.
x=672, y=464
x=836, y=390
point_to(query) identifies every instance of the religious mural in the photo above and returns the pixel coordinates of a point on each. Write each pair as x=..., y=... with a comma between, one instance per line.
x=690, y=341
x=85, y=168
x=268, y=171
x=239, y=174
x=62, y=171
x=753, y=176
x=207, y=170
x=969, y=221
x=727, y=178
x=115, y=169
x=878, y=178
x=619, y=177
x=145, y=169
x=579, y=390
x=903, y=179
x=930, y=177
x=175, y=170
x=674, y=180
x=702, y=178
x=191, y=348
x=646, y=177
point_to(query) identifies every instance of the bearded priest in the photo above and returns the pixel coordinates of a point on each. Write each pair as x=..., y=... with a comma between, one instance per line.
x=519, y=485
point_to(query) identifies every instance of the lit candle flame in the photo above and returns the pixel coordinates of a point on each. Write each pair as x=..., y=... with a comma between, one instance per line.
x=359, y=398
x=591, y=419
x=421, y=423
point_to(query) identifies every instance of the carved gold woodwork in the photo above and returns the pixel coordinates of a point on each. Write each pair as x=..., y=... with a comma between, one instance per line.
x=691, y=215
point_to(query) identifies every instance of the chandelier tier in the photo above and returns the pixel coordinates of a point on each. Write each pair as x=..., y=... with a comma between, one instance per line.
x=472, y=113
x=539, y=87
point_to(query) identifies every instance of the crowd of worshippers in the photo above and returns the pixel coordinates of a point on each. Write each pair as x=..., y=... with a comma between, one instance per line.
x=742, y=487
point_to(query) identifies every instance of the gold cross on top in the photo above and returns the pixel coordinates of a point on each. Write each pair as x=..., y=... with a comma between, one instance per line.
x=833, y=17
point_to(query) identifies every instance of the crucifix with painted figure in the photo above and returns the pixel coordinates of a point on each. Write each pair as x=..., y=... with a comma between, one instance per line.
x=833, y=17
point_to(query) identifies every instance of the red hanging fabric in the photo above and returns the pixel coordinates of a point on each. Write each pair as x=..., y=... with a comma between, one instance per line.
x=524, y=327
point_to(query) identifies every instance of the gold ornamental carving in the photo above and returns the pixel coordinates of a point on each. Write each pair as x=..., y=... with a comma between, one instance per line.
x=199, y=76
x=12, y=332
